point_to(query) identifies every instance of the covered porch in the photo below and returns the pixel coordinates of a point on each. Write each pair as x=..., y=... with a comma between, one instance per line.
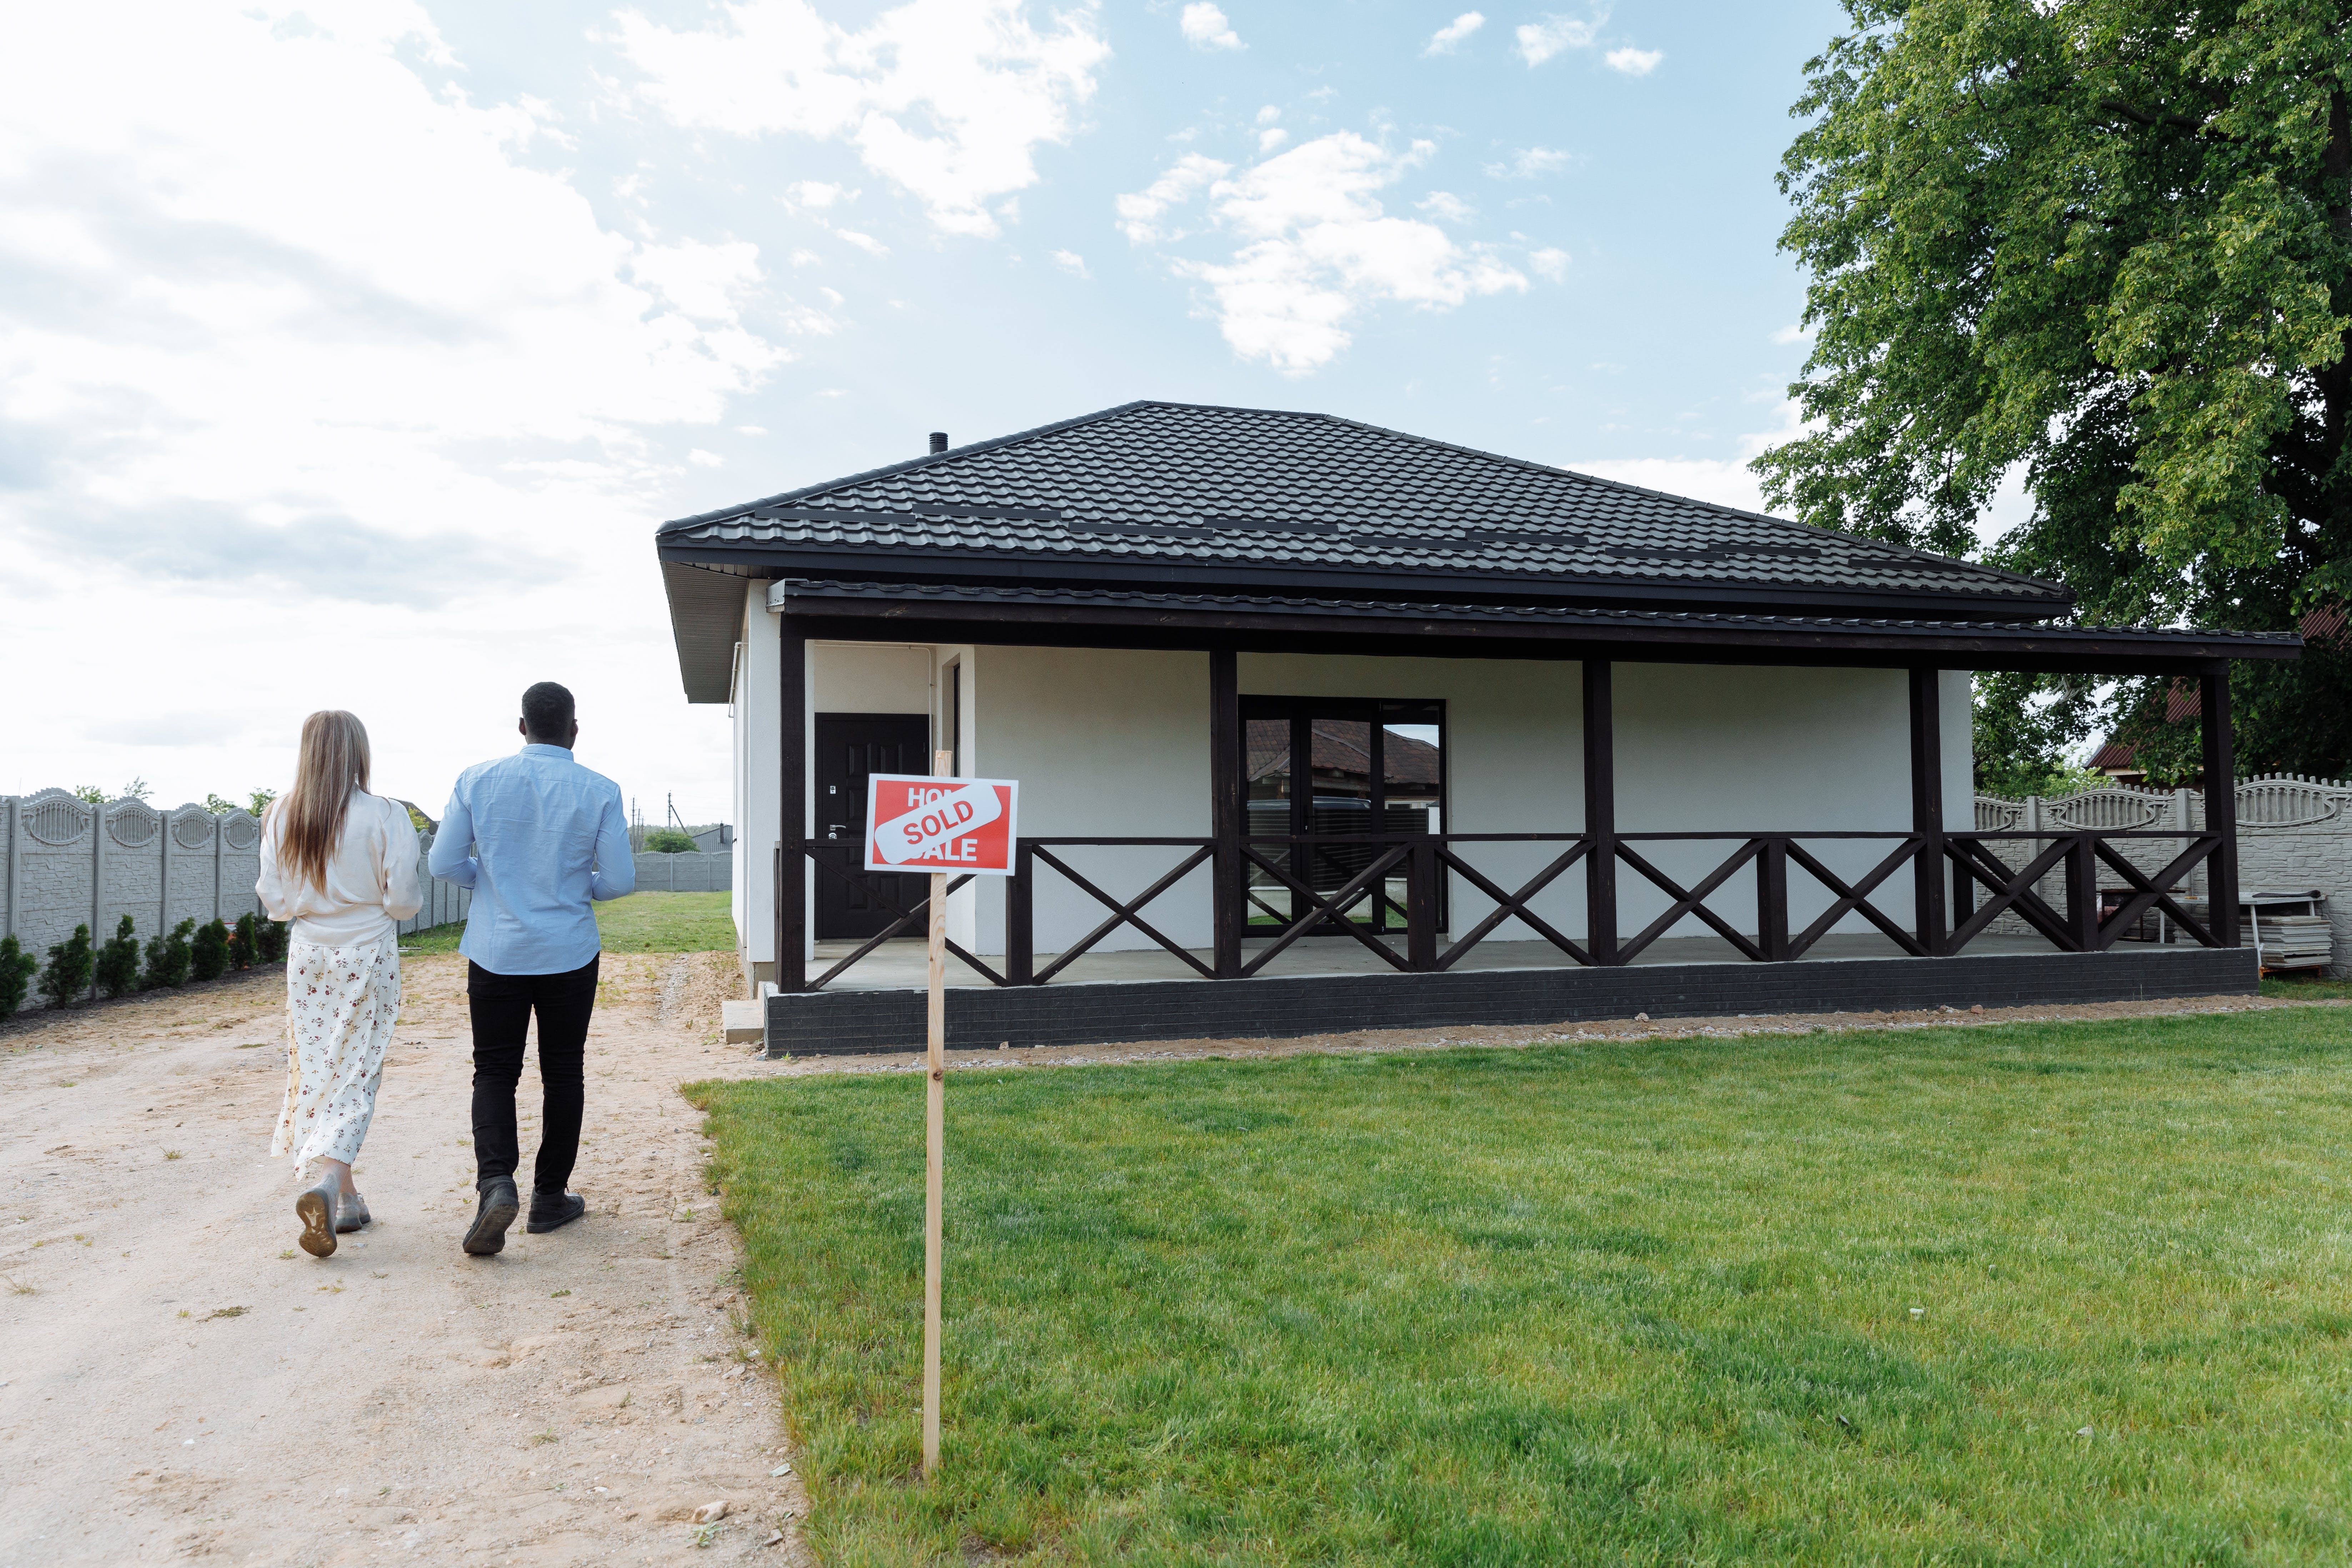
x=1318, y=917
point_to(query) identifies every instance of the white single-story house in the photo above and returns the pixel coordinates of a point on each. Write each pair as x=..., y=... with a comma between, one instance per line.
x=1322, y=726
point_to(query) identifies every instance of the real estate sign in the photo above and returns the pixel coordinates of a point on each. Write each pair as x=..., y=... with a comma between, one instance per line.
x=963, y=826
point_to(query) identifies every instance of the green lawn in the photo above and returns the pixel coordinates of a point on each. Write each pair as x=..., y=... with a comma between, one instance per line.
x=642, y=923
x=2074, y=1293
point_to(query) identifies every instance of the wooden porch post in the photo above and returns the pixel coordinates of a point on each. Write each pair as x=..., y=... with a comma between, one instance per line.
x=1228, y=811
x=1927, y=804
x=2220, y=798
x=1601, y=812
x=792, y=802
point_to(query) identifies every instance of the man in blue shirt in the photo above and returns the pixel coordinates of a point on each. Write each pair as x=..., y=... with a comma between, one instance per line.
x=537, y=836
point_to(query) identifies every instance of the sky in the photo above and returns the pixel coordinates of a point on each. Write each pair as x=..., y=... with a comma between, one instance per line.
x=350, y=352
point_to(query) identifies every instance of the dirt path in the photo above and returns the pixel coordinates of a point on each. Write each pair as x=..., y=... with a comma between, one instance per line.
x=179, y=1385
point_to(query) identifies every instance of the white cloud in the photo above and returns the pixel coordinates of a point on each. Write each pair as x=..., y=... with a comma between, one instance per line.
x=1529, y=162
x=1540, y=41
x=702, y=460
x=1726, y=482
x=1447, y=206
x=1635, y=62
x=817, y=193
x=1549, y=262
x=1205, y=28
x=1071, y=261
x=284, y=317
x=865, y=242
x=1794, y=333
x=1270, y=138
x=948, y=98
x=1449, y=38
x=1140, y=213
x=1315, y=248
x=1268, y=115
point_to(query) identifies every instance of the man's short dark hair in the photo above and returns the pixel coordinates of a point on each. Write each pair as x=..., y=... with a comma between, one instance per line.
x=547, y=711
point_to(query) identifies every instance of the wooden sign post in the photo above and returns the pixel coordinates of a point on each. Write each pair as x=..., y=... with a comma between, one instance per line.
x=938, y=824
x=935, y=1120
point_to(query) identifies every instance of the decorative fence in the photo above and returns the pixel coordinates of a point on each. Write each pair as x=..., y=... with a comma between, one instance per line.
x=65, y=863
x=68, y=863
x=2294, y=834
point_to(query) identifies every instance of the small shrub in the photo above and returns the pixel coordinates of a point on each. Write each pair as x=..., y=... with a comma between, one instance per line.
x=208, y=955
x=272, y=938
x=118, y=961
x=167, y=957
x=16, y=967
x=243, y=947
x=68, y=975
x=669, y=841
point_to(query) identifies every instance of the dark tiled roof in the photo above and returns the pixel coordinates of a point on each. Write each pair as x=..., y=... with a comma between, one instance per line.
x=1237, y=497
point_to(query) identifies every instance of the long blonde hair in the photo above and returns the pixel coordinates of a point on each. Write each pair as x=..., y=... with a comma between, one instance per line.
x=333, y=764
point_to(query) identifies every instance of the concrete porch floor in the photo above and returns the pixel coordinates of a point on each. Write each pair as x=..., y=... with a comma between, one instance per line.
x=898, y=964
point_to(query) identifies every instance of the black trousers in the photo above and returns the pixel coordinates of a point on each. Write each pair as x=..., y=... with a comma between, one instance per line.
x=502, y=1005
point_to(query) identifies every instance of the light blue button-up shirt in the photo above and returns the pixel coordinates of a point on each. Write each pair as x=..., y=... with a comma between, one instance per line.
x=536, y=835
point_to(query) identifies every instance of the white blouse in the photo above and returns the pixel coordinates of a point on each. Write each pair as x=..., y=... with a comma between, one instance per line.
x=371, y=877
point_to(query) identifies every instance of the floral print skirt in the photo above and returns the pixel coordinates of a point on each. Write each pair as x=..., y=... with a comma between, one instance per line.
x=340, y=1005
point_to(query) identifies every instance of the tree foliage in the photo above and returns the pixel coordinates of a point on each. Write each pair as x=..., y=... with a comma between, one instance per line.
x=17, y=969
x=117, y=970
x=65, y=980
x=167, y=958
x=2110, y=242
x=208, y=953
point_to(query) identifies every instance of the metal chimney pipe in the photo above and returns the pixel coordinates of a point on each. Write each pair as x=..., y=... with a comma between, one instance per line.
x=939, y=442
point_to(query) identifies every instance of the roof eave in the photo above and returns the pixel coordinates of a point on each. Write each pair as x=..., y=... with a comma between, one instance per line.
x=1004, y=567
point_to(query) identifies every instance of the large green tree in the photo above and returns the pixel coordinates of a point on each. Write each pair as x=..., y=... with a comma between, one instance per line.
x=2110, y=242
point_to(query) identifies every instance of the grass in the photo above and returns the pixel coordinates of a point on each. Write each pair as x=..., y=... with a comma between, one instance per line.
x=2070, y=1293
x=642, y=923
x=2304, y=989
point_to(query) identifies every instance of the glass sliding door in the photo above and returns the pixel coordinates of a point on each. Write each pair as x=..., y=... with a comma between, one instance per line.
x=1323, y=771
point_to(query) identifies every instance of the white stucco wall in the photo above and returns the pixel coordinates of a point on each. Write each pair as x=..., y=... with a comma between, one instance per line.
x=758, y=827
x=1105, y=742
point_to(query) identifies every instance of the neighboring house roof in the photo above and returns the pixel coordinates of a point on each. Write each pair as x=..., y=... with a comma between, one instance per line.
x=1342, y=748
x=2322, y=626
x=1233, y=497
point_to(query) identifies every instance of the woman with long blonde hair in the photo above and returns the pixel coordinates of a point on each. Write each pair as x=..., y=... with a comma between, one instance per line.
x=341, y=864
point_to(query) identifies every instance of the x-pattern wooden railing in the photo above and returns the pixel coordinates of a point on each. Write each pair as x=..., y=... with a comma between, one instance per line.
x=1128, y=913
x=1327, y=912
x=906, y=917
x=1970, y=860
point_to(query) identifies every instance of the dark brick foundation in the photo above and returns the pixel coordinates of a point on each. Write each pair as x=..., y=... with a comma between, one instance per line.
x=846, y=1023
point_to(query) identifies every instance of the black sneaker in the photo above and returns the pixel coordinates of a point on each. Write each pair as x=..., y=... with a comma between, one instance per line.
x=497, y=1210
x=551, y=1210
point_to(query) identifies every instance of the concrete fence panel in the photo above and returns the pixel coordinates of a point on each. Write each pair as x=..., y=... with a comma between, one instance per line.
x=64, y=863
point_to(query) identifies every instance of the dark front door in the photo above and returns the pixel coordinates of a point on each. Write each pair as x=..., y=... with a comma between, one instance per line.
x=848, y=747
